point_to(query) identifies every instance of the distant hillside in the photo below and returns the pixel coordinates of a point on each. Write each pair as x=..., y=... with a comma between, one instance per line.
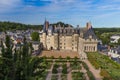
x=105, y=33
x=107, y=29
x=19, y=26
x=99, y=31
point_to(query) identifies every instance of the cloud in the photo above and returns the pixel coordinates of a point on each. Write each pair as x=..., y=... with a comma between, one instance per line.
x=7, y=5
x=105, y=15
x=73, y=11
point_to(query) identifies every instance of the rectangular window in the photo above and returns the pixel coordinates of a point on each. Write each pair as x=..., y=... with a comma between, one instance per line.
x=85, y=48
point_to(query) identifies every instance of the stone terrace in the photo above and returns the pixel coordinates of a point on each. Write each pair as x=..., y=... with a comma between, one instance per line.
x=57, y=54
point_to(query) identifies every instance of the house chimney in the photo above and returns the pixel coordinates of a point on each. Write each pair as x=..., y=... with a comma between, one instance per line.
x=88, y=25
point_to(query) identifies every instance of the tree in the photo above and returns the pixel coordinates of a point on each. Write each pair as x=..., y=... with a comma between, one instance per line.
x=118, y=41
x=20, y=65
x=35, y=36
x=17, y=26
x=7, y=60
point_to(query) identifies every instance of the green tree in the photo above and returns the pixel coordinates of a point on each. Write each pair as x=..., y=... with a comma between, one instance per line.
x=35, y=36
x=7, y=60
x=20, y=64
x=118, y=41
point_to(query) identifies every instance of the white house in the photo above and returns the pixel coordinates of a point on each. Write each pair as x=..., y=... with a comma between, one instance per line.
x=114, y=53
x=35, y=45
x=115, y=38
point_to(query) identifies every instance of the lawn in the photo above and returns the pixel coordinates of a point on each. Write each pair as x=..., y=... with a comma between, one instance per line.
x=107, y=66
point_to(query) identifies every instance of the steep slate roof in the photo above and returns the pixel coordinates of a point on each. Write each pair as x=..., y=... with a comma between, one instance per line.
x=88, y=33
x=70, y=31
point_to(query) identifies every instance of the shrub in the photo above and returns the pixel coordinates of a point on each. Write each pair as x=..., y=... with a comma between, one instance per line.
x=90, y=75
x=68, y=57
x=64, y=69
x=52, y=57
x=55, y=68
x=105, y=74
x=85, y=66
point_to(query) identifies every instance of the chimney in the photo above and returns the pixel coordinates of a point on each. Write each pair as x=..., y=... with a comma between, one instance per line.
x=54, y=26
x=78, y=26
x=88, y=25
x=46, y=25
x=81, y=34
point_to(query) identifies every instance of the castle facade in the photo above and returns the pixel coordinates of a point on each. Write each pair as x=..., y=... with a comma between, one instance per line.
x=78, y=39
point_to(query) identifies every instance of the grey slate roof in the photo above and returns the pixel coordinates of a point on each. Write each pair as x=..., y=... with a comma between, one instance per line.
x=88, y=33
x=70, y=31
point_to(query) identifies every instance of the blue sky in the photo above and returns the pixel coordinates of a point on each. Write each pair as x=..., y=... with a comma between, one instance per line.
x=101, y=13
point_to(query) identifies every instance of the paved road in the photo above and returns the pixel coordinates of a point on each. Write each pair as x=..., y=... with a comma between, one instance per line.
x=93, y=70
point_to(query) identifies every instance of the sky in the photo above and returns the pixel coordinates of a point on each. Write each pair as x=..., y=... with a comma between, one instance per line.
x=101, y=13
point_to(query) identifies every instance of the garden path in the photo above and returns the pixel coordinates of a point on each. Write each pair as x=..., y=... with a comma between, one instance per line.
x=93, y=70
x=69, y=75
x=84, y=71
x=59, y=72
x=49, y=75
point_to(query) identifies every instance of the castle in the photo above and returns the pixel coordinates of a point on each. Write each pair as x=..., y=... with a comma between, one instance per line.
x=78, y=39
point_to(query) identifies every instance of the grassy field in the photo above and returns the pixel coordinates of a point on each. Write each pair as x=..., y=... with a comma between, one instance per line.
x=109, y=68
